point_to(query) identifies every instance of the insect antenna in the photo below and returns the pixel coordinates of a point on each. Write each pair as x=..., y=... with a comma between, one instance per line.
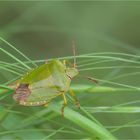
x=89, y=78
x=92, y=79
x=74, y=53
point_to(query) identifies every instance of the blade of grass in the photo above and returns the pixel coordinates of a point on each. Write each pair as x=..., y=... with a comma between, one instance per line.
x=34, y=130
x=5, y=87
x=85, y=112
x=112, y=67
x=115, y=83
x=12, y=56
x=14, y=68
x=93, y=63
x=127, y=103
x=107, y=109
x=103, y=57
x=125, y=125
x=12, y=65
x=14, y=48
x=9, y=70
x=126, y=75
x=86, y=124
x=53, y=133
x=114, y=53
x=78, y=88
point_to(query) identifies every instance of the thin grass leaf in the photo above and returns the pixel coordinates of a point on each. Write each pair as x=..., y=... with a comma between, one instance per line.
x=93, y=57
x=78, y=88
x=12, y=65
x=5, y=87
x=89, y=126
x=126, y=75
x=103, y=57
x=114, y=53
x=34, y=130
x=125, y=125
x=107, y=109
x=112, y=67
x=15, y=58
x=12, y=81
x=15, y=68
x=10, y=45
x=115, y=83
x=53, y=133
x=86, y=112
x=93, y=63
x=9, y=70
x=127, y=103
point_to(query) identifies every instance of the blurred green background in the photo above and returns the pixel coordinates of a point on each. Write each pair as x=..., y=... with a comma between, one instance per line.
x=44, y=29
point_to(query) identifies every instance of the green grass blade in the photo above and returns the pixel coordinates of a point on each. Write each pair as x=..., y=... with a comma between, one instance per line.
x=111, y=67
x=10, y=45
x=5, y=87
x=9, y=70
x=53, y=133
x=15, y=58
x=127, y=103
x=78, y=88
x=107, y=109
x=12, y=65
x=92, y=129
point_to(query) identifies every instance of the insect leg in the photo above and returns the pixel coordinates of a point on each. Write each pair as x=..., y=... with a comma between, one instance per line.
x=46, y=61
x=64, y=104
x=92, y=79
x=64, y=62
x=74, y=53
x=46, y=105
x=77, y=103
x=89, y=78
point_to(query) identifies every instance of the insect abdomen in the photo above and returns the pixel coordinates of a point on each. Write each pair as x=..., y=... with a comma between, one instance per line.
x=39, y=103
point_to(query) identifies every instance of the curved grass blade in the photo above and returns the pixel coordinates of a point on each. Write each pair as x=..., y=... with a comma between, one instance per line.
x=78, y=88
x=5, y=87
x=53, y=133
x=107, y=109
x=15, y=58
x=10, y=45
x=12, y=65
x=125, y=75
x=112, y=67
x=14, y=68
x=115, y=83
x=125, y=125
x=92, y=129
x=114, y=53
x=12, y=71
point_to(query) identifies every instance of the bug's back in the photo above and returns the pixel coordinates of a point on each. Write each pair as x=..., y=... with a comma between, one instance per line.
x=51, y=74
x=46, y=82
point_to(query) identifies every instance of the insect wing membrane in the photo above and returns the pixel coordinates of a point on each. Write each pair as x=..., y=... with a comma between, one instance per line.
x=43, y=90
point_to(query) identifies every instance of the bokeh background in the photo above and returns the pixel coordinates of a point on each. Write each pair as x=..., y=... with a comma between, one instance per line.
x=45, y=29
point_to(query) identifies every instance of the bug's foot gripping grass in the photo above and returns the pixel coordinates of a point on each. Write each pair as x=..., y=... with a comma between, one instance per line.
x=77, y=103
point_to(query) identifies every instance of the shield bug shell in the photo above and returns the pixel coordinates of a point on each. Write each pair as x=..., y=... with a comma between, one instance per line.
x=46, y=82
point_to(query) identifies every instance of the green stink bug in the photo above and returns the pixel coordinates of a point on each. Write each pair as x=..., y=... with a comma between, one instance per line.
x=44, y=83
